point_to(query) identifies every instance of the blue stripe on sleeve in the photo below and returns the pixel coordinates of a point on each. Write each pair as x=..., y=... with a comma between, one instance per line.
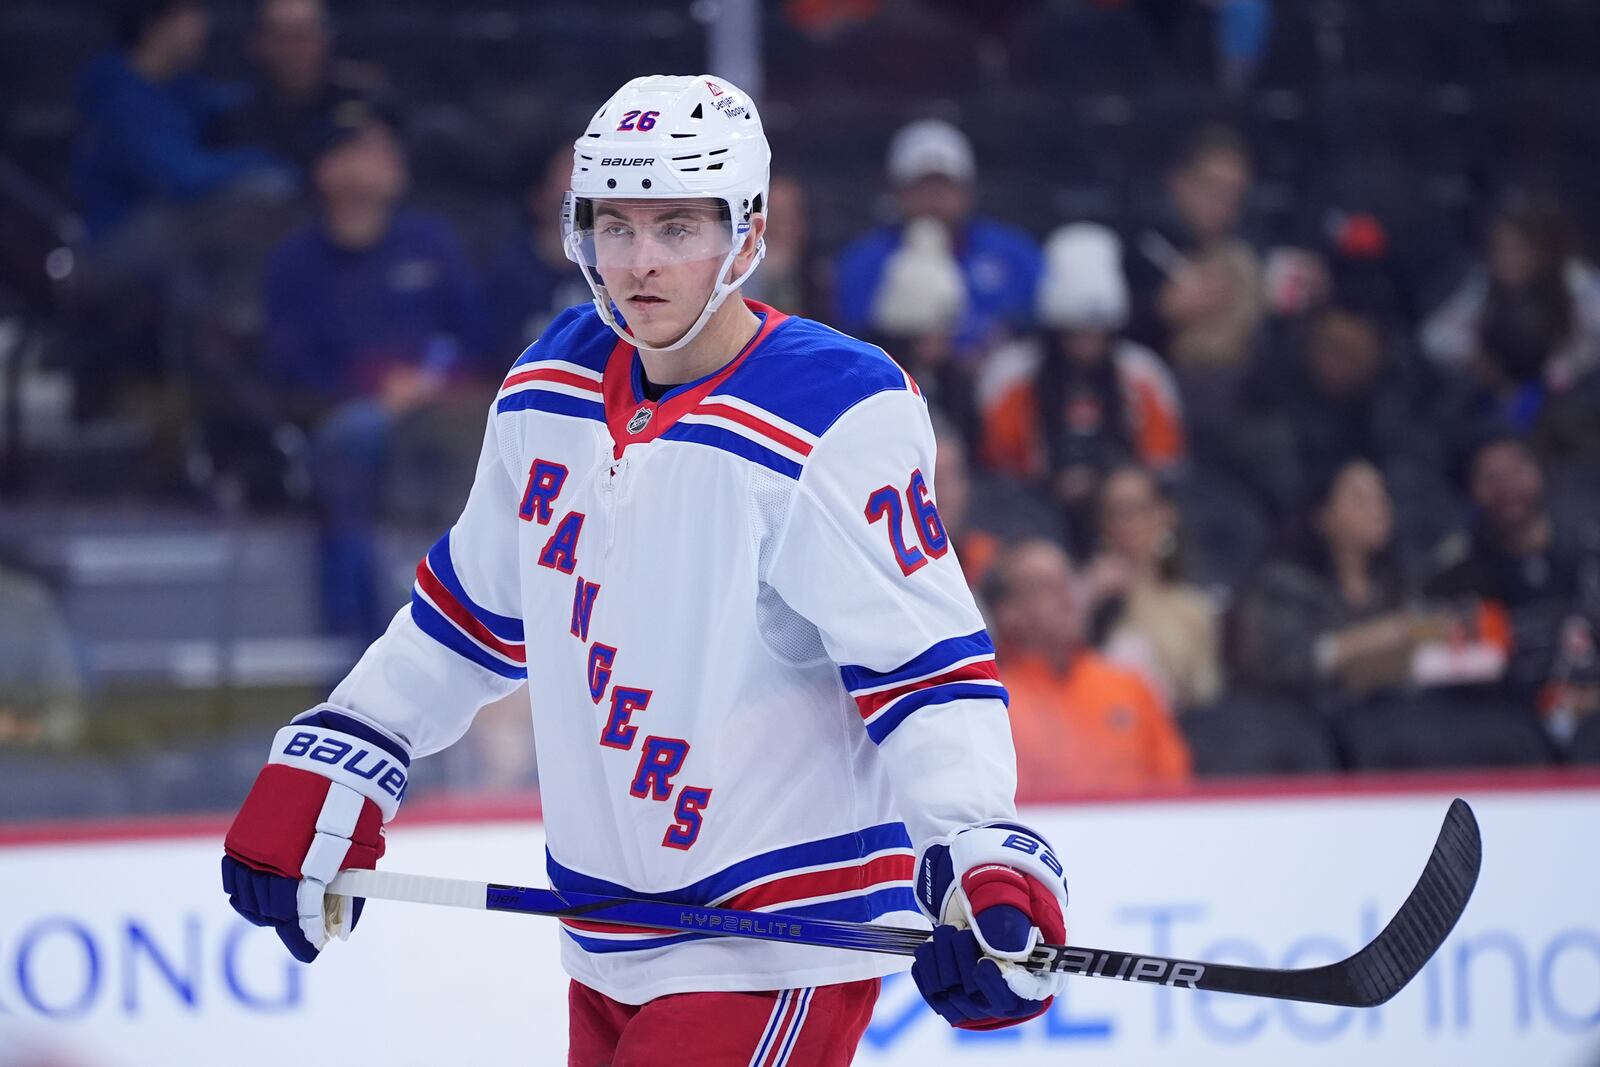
x=880, y=728
x=442, y=630
x=702, y=433
x=951, y=650
x=504, y=627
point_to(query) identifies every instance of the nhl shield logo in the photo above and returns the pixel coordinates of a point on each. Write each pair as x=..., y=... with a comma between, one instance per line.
x=640, y=420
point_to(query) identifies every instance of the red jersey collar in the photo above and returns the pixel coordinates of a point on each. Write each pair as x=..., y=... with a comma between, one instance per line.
x=633, y=419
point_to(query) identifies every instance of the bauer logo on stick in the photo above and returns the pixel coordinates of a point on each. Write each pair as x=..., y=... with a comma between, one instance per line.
x=1067, y=960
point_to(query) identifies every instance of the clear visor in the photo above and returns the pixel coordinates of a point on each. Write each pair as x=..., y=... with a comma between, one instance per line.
x=643, y=235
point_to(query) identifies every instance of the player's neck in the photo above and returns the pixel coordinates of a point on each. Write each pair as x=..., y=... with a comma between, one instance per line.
x=721, y=339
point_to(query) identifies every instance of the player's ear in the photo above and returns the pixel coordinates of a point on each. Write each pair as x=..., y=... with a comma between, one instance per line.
x=747, y=252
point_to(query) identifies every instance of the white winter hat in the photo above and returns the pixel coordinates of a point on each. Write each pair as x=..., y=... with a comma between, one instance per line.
x=930, y=146
x=922, y=291
x=1082, y=285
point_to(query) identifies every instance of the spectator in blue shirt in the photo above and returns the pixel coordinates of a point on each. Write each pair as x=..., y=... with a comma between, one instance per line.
x=374, y=324
x=145, y=117
x=932, y=169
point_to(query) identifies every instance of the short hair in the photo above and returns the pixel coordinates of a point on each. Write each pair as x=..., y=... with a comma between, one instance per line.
x=135, y=18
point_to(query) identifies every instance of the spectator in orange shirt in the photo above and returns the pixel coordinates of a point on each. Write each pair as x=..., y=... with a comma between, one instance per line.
x=1068, y=405
x=1079, y=722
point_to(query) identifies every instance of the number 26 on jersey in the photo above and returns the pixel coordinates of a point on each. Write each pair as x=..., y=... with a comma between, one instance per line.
x=885, y=504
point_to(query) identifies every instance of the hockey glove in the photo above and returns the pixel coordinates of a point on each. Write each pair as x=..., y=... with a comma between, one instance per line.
x=318, y=807
x=994, y=892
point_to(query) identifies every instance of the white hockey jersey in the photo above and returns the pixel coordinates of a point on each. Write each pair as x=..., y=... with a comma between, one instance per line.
x=758, y=677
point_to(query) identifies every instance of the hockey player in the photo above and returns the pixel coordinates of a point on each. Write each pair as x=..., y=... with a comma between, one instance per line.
x=704, y=532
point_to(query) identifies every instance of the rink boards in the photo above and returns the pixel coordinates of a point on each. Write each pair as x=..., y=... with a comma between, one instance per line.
x=118, y=950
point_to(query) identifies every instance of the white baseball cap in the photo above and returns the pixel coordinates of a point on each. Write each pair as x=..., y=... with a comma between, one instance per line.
x=930, y=146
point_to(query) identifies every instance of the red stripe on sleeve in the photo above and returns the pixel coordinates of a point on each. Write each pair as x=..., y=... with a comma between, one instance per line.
x=983, y=670
x=452, y=609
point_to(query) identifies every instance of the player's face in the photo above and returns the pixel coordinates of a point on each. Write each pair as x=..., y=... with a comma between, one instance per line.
x=659, y=260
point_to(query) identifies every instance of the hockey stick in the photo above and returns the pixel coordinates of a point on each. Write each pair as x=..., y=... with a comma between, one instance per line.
x=1366, y=979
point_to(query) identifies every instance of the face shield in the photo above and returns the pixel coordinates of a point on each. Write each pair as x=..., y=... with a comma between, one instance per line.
x=612, y=238
x=618, y=243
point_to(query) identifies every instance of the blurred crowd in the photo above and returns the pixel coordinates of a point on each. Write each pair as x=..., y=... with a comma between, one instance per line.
x=1231, y=506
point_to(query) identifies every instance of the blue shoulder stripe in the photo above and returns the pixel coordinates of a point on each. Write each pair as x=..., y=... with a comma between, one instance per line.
x=571, y=336
x=809, y=374
x=702, y=433
x=552, y=402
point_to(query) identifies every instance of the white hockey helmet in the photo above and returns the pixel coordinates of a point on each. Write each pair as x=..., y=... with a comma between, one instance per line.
x=670, y=137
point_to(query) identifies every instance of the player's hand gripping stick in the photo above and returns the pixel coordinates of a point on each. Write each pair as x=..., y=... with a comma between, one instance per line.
x=318, y=807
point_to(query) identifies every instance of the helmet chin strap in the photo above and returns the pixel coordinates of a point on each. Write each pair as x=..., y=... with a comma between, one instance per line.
x=719, y=293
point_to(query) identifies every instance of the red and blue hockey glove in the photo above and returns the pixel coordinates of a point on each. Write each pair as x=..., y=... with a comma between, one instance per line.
x=318, y=807
x=994, y=892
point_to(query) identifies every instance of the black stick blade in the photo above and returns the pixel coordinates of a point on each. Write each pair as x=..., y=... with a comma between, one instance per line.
x=1382, y=969
x=1393, y=958
x=1368, y=978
